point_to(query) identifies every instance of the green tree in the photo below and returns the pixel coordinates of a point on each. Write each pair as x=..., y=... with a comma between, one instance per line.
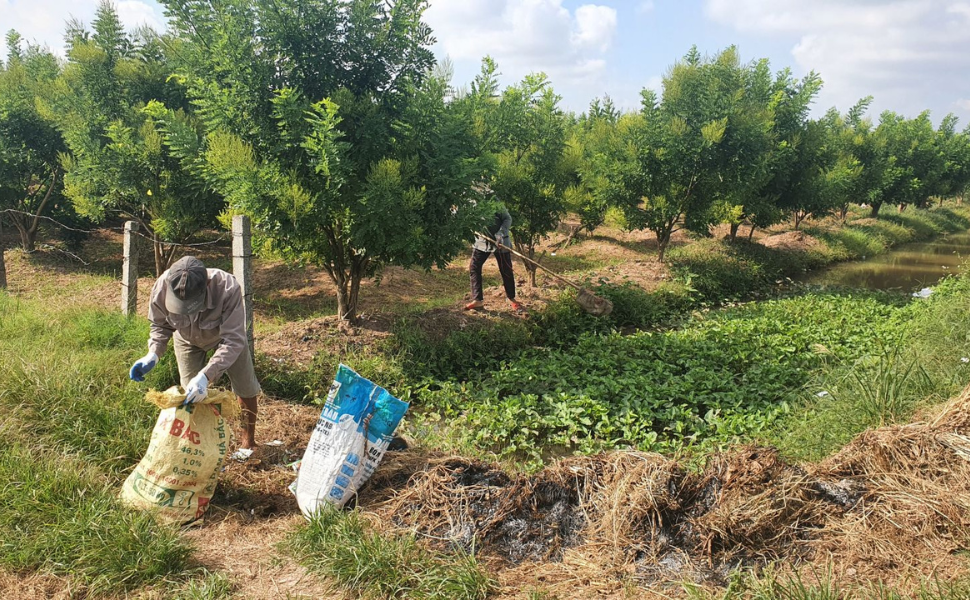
x=680, y=162
x=118, y=161
x=525, y=136
x=327, y=127
x=955, y=148
x=30, y=172
x=915, y=165
x=867, y=145
x=786, y=101
x=593, y=144
x=820, y=173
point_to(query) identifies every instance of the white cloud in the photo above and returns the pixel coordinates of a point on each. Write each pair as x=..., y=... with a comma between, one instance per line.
x=43, y=21
x=134, y=13
x=524, y=36
x=595, y=26
x=909, y=54
x=645, y=7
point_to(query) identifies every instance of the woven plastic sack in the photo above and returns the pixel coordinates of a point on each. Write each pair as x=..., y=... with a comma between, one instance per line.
x=179, y=472
x=348, y=442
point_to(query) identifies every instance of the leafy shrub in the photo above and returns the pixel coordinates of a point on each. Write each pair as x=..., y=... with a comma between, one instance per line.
x=462, y=354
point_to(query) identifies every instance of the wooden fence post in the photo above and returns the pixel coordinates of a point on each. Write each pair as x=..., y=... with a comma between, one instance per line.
x=129, y=272
x=242, y=269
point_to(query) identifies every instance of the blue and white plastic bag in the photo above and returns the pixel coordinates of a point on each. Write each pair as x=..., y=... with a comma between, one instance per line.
x=348, y=441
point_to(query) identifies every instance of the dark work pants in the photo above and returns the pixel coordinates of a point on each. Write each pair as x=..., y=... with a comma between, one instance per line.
x=504, y=266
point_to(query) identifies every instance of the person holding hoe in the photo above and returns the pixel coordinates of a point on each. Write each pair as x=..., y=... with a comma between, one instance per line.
x=202, y=310
x=496, y=231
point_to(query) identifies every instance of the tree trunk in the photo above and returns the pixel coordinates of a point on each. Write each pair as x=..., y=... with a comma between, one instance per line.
x=843, y=213
x=663, y=240
x=799, y=216
x=348, y=289
x=875, y=209
x=28, y=238
x=902, y=207
x=751, y=233
x=28, y=225
x=3, y=264
x=733, y=235
x=159, y=255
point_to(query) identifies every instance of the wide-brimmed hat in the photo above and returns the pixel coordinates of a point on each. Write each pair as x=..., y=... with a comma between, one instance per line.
x=187, y=280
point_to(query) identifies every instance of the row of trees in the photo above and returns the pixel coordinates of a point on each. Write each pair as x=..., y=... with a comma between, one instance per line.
x=329, y=123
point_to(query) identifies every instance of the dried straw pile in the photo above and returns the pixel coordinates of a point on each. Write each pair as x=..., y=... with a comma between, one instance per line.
x=893, y=505
x=915, y=516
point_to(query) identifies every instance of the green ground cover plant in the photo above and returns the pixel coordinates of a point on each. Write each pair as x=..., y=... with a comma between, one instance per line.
x=724, y=375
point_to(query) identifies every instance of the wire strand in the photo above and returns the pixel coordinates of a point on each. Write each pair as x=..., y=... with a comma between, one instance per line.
x=221, y=238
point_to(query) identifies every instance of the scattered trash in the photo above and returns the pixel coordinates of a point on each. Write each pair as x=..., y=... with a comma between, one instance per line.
x=822, y=394
x=923, y=293
x=242, y=455
x=965, y=360
x=274, y=443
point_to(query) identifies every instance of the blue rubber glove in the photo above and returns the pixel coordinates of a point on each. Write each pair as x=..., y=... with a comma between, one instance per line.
x=197, y=389
x=142, y=366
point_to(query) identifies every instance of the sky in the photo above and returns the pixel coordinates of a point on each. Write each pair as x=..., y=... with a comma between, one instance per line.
x=910, y=55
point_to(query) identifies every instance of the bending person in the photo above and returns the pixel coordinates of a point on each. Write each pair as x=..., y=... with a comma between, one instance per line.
x=498, y=230
x=202, y=310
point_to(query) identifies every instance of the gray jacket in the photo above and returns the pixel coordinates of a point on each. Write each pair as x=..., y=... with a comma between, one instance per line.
x=220, y=325
x=498, y=229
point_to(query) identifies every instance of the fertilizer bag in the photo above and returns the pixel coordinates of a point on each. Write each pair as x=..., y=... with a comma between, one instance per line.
x=178, y=473
x=348, y=441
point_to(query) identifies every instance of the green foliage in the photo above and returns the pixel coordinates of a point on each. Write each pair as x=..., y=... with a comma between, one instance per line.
x=461, y=354
x=118, y=161
x=730, y=375
x=921, y=365
x=690, y=157
x=523, y=134
x=30, y=173
x=340, y=545
x=328, y=128
x=716, y=271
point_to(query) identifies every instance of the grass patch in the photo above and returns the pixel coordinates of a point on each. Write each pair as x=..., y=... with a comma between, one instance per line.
x=210, y=586
x=920, y=366
x=61, y=516
x=74, y=426
x=338, y=544
x=744, y=585
x=71, y=380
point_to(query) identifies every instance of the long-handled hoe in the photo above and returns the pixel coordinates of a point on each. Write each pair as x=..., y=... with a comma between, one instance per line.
x=590, y=302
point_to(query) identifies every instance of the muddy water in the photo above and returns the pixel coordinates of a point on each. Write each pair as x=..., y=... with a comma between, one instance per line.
x=909, y=268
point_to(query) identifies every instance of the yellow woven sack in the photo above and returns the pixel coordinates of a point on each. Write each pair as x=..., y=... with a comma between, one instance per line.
x=178, y=473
